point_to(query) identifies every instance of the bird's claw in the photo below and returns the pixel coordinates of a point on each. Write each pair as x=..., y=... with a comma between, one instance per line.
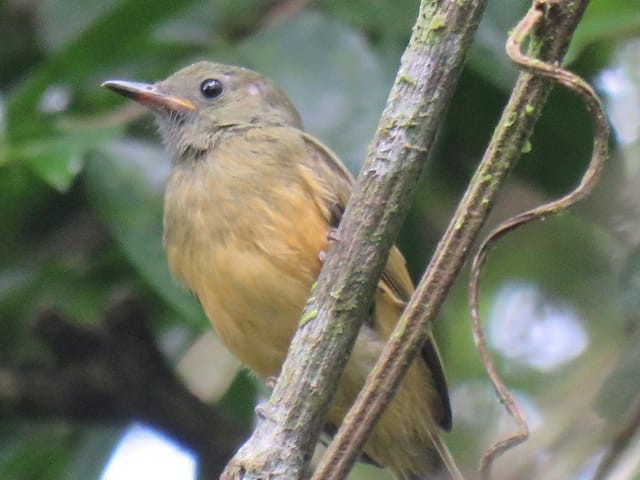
x=261, y=410
x=270, y=382
x=332, y=237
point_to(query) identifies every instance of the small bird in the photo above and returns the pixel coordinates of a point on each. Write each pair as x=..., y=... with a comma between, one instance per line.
x=250, y=206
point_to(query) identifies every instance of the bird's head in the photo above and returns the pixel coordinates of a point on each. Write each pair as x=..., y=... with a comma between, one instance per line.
x=196, y=102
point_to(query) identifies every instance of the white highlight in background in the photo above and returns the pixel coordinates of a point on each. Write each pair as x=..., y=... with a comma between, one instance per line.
x=527, y=326
x=144, y=453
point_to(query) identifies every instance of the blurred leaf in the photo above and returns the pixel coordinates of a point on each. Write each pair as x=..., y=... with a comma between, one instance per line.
x=240, y=399
x=36, y=453
x=331, y=74
x=376, y=15
x=472, y=115
x=487, y=56
x=3, y=130
x=27, y=286
x=57, y=166
x=209, y=23
x=14, y=282
x=59, y=22
x=95, y=446
x=128, y=23
x=561, y=144
x=18, y=48
x=194, y=26
x=125, y=182
x=606, y=20
x=21, y=195
x=58, y=159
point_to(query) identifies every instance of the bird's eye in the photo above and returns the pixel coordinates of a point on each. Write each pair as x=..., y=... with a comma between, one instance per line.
x=211, y=88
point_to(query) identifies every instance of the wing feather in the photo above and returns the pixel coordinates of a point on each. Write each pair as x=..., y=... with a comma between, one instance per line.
x=331, y=185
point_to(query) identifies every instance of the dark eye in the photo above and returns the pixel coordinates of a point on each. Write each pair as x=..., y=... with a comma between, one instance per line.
x=211, y=88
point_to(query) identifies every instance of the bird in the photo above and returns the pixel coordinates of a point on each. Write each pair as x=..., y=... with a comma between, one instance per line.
x=251, y=204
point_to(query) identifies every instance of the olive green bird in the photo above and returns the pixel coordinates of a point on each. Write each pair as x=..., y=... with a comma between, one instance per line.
x=249, y=206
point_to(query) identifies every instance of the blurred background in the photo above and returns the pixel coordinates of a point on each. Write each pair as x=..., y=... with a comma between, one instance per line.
x=81, y=180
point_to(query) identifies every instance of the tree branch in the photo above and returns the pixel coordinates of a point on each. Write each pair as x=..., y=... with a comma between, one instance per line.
x=513, y=131
x=289, y=423
x=115, y=373
x=535, y=20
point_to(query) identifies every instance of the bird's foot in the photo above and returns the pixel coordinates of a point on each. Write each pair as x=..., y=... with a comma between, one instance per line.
x=332, y=237
x=270, y=382
x=266, y=412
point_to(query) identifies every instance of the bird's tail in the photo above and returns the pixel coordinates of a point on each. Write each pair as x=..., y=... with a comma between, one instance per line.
x=445, y=470
x=447, y=459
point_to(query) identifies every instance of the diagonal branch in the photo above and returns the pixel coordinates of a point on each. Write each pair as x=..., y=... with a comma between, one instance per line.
x=557, y=23
x=600, y=153
x=289, y=423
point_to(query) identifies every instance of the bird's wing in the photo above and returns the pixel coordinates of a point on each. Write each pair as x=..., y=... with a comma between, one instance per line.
x=330, y=182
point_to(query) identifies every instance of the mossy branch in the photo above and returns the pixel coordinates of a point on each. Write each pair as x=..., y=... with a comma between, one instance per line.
x=289, y=423
x=532, y=22
x=284, y=439
x=549, y=42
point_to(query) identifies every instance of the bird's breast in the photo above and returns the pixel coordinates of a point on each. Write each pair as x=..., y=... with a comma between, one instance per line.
x=250, y=254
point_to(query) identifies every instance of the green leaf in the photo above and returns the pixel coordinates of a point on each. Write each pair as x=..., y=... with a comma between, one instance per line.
x=99, y=46
x=57, y=159
x=93, y=449
x=240, y=399
x=57, y=166
x=36, y=452
x=487, y=56
x=59, y=22
x=125, y=181
x=376, y=15
x=606, y=20
x=207, y=23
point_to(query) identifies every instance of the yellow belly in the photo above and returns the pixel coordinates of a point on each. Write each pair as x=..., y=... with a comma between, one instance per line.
x=252, y=270
x=255, y=308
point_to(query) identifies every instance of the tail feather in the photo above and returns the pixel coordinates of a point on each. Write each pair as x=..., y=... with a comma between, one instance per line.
x=447, y=470
x=446, y=457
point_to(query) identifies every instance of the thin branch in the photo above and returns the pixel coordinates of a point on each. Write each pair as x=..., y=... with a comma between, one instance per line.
x=516, y=125
x=289, y=423
x=526, y=27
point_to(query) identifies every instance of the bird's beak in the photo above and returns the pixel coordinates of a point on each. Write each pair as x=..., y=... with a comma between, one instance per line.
x=149, y=95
